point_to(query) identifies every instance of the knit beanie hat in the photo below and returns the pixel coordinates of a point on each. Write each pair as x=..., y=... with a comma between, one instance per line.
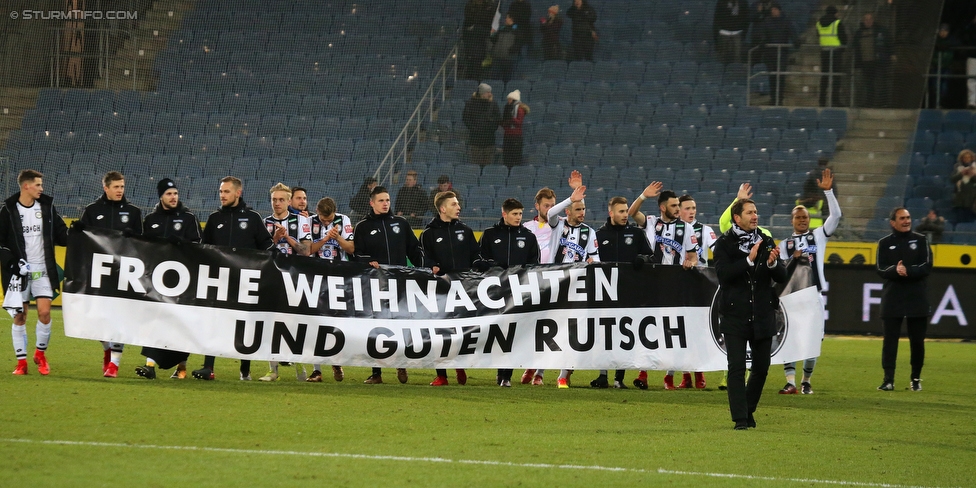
x=163, y=185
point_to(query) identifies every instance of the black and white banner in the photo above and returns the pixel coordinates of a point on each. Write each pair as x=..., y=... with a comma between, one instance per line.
x=261, y=306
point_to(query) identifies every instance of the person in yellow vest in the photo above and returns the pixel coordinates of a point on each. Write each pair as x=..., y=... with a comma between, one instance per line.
x=833, y=37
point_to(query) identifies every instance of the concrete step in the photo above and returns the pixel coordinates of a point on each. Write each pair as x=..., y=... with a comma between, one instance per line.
x=861, y=189
x=885, y=125
x=874, y=179
x=879, y=133
x=885, y=114
x=872, y=144
x=875, y=157
x=865, y=168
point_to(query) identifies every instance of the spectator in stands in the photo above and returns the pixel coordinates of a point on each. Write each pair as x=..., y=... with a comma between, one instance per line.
x=584, y=30
x=969, y=40
x=443, y=184
x=481, y=117
x=521, y=12
x=504, y=50
x=512, y=118
x=942, y=62
x=833, y=38
x=359, y=203
x=412, y=202
x=932, y=225
x=761, y=11
x=478, y=15
x=964, y=184
x=552, y=25
x=873, y=54
x=730, y=26
x=775, y=29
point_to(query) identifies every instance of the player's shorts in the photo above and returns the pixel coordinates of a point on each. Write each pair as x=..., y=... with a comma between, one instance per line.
x=38, y=287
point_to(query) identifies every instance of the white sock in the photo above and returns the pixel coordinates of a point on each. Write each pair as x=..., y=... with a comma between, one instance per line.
x=19, y=334
x=274, y=366
x=670, y=372
x=106, y=345
x=540, y=372
x=563, y=373
x=43, y=335
x=603, y=372
x=317, y=367
x=791, y=379
x=117, y=358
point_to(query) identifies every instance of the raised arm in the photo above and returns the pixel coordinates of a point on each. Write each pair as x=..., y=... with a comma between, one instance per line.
x=652, y=190
x=825, y=183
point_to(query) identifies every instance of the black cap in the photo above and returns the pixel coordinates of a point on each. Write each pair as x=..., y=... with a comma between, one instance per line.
x=163, y=185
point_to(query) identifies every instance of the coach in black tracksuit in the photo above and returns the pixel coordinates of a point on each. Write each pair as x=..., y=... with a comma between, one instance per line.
x=747, y=262
x=171, y=221
x=449, y=246
x=904, y=261
x=508, y=243
x=234, y=225
x=384, y=238
x=620, y=242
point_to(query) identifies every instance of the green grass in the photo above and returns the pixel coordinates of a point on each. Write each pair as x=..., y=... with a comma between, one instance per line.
x=845, y=432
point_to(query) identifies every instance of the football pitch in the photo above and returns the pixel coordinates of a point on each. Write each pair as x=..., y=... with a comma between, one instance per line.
x=76, y=428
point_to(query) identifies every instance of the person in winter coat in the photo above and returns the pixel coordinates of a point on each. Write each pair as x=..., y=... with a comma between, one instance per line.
x=481, y=117
x=505, y=49
x=964, y=187
x=904, y=262
x=551, y=26
x=113, y=211
x=521, y=12
x=234, y=224
x=730, y=26
x=512, y=118
x=874, y=55
x=584, y=30
x=384, y=238
x=449, y=246
x=747, y=263
x=171, y=221
x=509, y=243
x=30, y=227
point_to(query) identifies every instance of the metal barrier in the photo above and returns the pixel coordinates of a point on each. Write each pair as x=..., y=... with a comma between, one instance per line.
x=399, y=150
x=938, y=76
x=831, y=74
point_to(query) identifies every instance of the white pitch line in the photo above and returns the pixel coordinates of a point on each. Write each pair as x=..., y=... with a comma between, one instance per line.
x=795, y=480
x=377, y=457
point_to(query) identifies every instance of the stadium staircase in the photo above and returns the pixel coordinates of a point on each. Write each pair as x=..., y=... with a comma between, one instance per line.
x=866, y=159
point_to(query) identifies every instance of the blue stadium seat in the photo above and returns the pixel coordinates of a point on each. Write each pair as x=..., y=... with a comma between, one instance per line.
x=958, y=120
x=586, y=113
x=737, y=137
x=930, y=120
x=683, y=136
x=722, y=115
x=572, y=134
x=804, y=118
